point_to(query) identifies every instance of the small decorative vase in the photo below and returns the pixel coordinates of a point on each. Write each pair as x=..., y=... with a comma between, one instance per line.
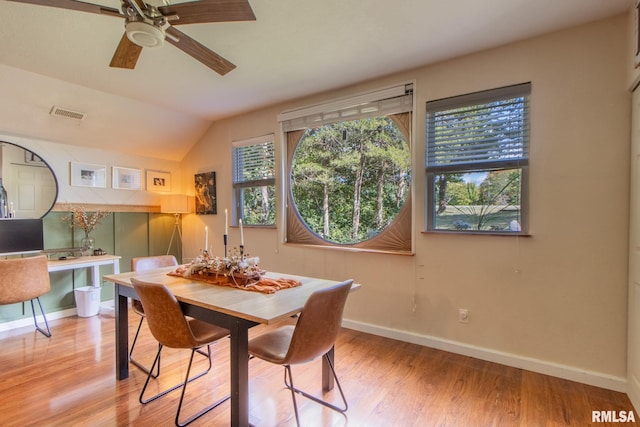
x=86, y=245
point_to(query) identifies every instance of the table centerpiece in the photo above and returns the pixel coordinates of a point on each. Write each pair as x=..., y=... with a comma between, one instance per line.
x=237, y=270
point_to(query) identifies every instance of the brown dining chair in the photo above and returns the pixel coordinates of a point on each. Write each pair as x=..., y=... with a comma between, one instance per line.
x=25, y=279
x=313, y=336
x=144, y=264
x=171, y=328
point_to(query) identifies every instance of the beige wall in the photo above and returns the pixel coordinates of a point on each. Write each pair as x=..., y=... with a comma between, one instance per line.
x=555, y=299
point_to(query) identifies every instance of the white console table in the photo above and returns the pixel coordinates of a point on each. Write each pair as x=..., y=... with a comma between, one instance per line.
x=93, y=262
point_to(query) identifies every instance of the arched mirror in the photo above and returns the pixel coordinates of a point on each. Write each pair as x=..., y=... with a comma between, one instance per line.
x=29, y=188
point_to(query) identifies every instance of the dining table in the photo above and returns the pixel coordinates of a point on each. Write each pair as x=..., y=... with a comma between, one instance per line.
x=237, y=310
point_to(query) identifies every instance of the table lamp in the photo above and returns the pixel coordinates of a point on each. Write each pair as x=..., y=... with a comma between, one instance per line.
x=176, y=204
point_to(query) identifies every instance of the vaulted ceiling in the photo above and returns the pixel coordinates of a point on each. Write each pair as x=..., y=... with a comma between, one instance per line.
x=51, y=56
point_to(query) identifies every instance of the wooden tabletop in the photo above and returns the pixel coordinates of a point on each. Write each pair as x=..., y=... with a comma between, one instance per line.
x=80, y=261
x=254, y=306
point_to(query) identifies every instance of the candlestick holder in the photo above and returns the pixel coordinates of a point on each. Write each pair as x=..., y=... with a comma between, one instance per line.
x=225, y=245
x=242, y=252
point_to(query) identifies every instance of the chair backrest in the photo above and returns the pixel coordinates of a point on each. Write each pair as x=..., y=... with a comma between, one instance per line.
x=151, y=262
x=144, y=263
x=23, y=279
x=319, y=324
x=166, y=321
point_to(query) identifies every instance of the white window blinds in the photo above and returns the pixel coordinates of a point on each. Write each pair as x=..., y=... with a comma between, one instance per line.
x=483, y=129
x=254, y=161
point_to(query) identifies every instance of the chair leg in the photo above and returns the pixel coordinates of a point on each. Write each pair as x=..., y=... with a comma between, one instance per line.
x=134, y=361
x=46, y=333
x=184, y=389
x=169, y=390
x=309, y=396
x=287, y=370
x=140, y=365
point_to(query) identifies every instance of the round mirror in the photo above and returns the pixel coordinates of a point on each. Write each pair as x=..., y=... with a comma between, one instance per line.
x=28, y=186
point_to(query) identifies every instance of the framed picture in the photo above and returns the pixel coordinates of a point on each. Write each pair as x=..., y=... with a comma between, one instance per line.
x=126, y=178
x=206, y=193
x=158, y=181
x=88, y=175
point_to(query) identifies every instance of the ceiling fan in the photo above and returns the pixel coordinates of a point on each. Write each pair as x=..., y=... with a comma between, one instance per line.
x=148, y=23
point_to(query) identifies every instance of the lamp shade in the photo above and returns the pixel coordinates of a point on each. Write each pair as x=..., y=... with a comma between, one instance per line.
x=176, y=203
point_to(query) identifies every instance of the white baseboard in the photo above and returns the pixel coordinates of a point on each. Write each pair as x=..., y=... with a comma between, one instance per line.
x=571, y=373
x=106, y=308
x=28, y=321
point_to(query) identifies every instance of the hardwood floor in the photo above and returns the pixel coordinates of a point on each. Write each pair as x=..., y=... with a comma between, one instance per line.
x=69, y=380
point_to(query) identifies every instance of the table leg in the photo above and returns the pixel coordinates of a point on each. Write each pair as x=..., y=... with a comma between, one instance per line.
x=121, y=305
x=95, y=276
x=327, y=377
x=239, y=373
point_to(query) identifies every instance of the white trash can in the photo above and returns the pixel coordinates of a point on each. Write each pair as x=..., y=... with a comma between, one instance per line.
x=87, y=300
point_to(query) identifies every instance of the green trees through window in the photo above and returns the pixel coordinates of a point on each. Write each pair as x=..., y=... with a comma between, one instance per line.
x=350, y=179
x=254, y=180
x=479, y=201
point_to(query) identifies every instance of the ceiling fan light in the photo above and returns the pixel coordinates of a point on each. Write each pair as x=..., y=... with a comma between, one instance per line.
x=145, y=35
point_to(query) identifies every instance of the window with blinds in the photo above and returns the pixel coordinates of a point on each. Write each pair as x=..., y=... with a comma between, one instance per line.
x=254, y=180
x=477, y=160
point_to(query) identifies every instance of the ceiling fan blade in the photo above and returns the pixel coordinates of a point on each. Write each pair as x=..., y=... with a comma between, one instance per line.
x=126, y=55
x=198, y=51
x=75, y=5
x=198, y=12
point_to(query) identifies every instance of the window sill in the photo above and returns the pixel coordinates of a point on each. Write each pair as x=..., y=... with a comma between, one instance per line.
x=254, y=226
x=476, y=233
x=350, y=249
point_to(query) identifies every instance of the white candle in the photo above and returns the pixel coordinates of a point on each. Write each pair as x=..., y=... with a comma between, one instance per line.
x=226, y=223
x=206, y=238
x=241, y=233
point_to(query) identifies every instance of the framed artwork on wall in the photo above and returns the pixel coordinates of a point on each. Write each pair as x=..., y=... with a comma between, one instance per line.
x=206, y=203
x=88, y=175
x=158, y=181
x=126, y=178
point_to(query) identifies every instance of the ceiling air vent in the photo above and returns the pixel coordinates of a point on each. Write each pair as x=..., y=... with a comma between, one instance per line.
x=64, y=112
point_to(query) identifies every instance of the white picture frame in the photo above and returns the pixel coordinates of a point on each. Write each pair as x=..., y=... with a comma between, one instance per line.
x=88, y=175
x=159, y=181
x=126, y=178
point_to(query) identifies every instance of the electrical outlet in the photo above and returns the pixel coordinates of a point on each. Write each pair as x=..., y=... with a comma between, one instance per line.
x=463, y=315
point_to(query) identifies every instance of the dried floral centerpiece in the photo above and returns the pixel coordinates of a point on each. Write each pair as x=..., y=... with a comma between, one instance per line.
x=241, y=269
x=85, y=221
x=237, y=270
